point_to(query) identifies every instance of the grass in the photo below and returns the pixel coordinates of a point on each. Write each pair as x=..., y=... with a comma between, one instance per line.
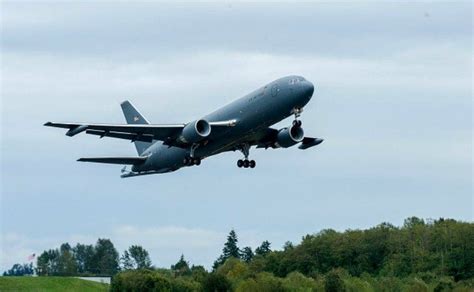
x=49, y=284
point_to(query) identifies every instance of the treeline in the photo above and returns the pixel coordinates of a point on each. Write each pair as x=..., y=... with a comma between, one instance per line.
x=101, y=259
x=433, y=255
x=421, y=255
x=20, y=270
x=442, y=247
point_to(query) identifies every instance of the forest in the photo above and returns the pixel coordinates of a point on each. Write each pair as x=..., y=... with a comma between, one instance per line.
x=421, y=255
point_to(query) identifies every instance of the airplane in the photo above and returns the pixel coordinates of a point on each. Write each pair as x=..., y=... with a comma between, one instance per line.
x=243, y=123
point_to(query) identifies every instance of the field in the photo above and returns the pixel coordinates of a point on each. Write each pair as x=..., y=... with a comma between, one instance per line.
x=49, y=284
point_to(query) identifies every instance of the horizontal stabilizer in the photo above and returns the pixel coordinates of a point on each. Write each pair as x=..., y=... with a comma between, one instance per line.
x=115, y=160
x=310, y=142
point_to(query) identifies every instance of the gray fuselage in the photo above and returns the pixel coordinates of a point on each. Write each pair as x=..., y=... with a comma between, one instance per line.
x=253, y=113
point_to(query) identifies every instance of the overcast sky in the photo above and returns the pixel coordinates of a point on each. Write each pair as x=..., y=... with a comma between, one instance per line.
x=393, y=102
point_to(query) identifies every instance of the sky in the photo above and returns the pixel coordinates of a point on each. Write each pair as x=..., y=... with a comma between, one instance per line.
x=393, y=101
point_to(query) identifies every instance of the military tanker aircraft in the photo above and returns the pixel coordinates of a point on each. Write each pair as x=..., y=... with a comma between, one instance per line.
x=243, y=123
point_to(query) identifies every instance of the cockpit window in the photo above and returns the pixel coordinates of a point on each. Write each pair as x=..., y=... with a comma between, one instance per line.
x=296, y=80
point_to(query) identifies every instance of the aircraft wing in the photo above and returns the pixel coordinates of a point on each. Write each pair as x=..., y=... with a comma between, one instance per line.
x=114, y=160
x=134, y=132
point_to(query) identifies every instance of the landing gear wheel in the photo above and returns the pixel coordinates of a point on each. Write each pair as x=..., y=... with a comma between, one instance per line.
x=197, y=161
x=240, y=163
x=297, y=123
x=246, y=163
x=252, y=164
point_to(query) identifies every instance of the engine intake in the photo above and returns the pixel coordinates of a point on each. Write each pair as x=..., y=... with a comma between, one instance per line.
x=195, y=131
x=289, y=136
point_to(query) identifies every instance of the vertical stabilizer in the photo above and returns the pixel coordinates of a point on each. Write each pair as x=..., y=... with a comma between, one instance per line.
x=134, y=117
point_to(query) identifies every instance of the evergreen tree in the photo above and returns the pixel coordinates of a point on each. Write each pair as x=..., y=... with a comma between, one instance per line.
x=247, y=254
x=230, y=247
x=181, y=268
x=230, y=250
x=263, y=249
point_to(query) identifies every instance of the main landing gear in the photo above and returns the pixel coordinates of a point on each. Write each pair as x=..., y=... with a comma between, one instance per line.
x=189, y=161
x=245, y=163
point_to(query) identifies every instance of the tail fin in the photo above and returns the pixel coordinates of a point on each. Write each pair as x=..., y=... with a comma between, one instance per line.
x=134, y=117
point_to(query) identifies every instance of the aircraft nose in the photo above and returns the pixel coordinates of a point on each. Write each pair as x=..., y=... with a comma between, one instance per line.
x=308, y=89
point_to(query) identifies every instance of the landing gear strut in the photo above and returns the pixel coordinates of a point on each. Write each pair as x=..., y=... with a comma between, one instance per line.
x=297, y=112
x=245, y=163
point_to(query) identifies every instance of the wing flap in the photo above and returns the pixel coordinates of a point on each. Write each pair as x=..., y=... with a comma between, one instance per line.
x=159, y=132
x=115, y=160
x=119, y=135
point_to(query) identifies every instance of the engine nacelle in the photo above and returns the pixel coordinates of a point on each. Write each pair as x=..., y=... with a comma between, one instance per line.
x=288, y=137
x=195, y=131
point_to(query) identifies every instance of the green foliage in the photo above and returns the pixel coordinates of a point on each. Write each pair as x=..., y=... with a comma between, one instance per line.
x=136, y=257
x=101, y=259
x=84, y=256
x=181, y=268
x=263, y=249
x=234, y=269
x=436, y=248
x=333, y=282
x=216, y=283
x=297, y=282
x=263, y=282
x=106, y=258
x=247, y=254
x=230, y=250
x=140, y=280
x=20, y=270
x=50, y=284
x=198, y=273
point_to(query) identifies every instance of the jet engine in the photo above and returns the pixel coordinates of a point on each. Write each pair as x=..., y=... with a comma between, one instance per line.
x=195, y=131
x=289, y=136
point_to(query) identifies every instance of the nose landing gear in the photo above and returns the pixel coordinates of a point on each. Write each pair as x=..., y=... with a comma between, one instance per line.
x=246, y=163
x=297, y=112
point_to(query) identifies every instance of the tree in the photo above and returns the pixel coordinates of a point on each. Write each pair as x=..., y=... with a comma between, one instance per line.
x=230, y=250
x=66, y=262
x=181, y=268
x=127, y=262
x=20, y=270
x=216, y=283
x=263, y=249
x=84, y=255
x=333, y=282
x=47, y=263
x=230, y=247
x=288, y=245
x=106, y=258
x=136, y=257
x=247, y=254
x=140, y=256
